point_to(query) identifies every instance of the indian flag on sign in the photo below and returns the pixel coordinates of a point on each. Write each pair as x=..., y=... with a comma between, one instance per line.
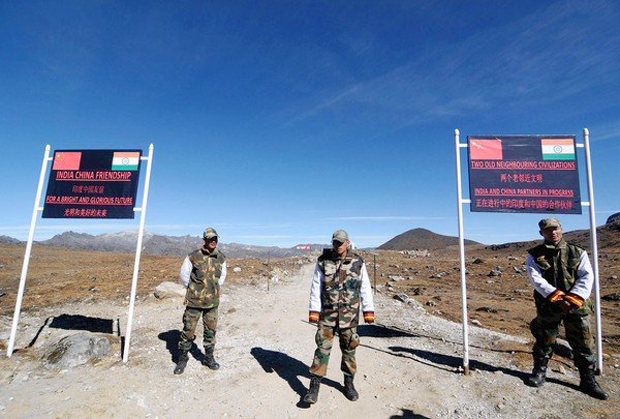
x=558, y=148
x=125, y=160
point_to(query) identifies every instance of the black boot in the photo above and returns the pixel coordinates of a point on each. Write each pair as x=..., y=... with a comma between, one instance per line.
x=313, y=392
x=181, y=363
x=589, y=385
x=539, y=373
x=209, y=360
x=349, y=390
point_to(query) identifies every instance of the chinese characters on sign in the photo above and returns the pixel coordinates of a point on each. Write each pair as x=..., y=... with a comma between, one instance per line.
x=93, y=184
x=524, y=174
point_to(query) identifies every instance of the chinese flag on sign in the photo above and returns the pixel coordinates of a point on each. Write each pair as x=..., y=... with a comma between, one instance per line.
x=485, y=149
x=67, y=160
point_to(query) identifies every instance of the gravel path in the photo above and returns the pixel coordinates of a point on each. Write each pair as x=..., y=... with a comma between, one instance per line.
x=408, y=366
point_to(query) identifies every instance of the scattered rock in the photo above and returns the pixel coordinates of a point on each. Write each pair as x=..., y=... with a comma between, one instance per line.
x=613, y=277
x=487, y=309
x=401, y=297
x=476, y=322
x=559, y=369
x=238, y=269
x=396, y=278
x=78, y=349
x=169, y=290
x=93, y=289
x=611, y=297
x=431, y=303
x=478, y=261
x=494, y=273
x=416, y=291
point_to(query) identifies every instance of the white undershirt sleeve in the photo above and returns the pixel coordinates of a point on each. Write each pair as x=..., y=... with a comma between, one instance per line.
x=315, y=289
x=585, y=278
x=186, y=270
x=223, y=276
x=366, y=291
x=539, y=283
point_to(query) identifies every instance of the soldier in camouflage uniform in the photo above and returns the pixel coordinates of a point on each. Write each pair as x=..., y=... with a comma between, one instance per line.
x=562, y=277
x=203, y=272
x=339, y=287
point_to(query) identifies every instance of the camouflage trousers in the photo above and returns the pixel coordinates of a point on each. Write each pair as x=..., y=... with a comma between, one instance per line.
x=190, y=320
x=349, y=340
x=545, y=329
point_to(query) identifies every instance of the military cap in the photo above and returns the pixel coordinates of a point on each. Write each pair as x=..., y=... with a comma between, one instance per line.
x=547, y=223
x=340, y=235
x=209, y=233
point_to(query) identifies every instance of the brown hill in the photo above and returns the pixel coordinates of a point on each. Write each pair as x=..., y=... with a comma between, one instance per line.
x=607, y=235
x=420, y=238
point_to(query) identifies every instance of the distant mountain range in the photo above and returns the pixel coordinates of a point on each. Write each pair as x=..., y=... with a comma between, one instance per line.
x=420, y=238
x=155, y=244
x=607, y=236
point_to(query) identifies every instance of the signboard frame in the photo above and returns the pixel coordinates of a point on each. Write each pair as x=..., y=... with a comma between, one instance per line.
x=593, y=239
x=33, y=222
x=523, y=174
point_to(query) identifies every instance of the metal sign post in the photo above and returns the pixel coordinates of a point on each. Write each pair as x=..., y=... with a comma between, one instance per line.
x=22, y=278
x=594, y=246
x=460, y=201
x=136, y=265
x=541, y=201
x=374, y=277
x=88, y=168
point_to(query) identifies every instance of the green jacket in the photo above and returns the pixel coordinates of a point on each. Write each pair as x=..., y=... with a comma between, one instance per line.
x=203, y=290
x=558, y=265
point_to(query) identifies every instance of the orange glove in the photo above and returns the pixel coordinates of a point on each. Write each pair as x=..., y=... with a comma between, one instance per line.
x=313, y=317
x=556, y=297
x=574, y=300
x=369, y=317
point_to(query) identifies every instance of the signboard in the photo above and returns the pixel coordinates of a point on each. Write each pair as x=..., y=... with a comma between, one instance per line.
x=528, y=174
x=93, y=184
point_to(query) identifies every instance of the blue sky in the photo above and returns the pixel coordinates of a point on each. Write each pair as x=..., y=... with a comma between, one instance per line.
x=278, y=122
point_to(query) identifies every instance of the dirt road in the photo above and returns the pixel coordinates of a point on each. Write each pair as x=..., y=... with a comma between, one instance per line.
x=408, y=366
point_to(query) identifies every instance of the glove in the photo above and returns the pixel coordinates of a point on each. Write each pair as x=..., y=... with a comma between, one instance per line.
x=556, y=297
x=574, y=300
x=313, y=317
x=369, y=317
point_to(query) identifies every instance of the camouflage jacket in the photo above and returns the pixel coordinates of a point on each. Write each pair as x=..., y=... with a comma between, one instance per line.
x=559, y=266
x=203, y=290
x=340, y=286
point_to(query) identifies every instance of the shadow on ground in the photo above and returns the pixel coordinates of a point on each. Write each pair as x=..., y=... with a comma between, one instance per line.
x=453, y=362
x=408, y=414
x=78, y=322
x=289, y=369
x=382, y=331
x=171, y=337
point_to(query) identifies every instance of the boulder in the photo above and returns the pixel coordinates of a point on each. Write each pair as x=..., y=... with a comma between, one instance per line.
x=401, y=297
x=169, y=290
x=78, y=349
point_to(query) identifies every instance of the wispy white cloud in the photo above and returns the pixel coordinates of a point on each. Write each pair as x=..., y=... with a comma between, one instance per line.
x=607, y=131
x=550, y=55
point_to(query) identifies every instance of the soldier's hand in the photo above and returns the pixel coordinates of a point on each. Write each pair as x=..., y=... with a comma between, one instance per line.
x=556, y=297
x=574, y=300
x=369, y=317
x=313, y=317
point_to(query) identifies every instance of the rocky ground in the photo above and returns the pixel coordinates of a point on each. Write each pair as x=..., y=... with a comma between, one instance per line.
x=499, y=295
x=408, y=362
